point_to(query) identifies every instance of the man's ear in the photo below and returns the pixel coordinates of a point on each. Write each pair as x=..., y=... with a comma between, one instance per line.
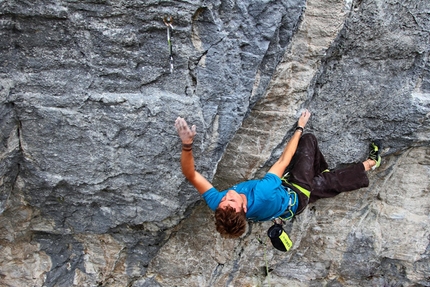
x=244, y=208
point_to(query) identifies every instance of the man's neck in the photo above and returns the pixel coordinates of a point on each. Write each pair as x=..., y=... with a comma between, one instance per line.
x=245, y=200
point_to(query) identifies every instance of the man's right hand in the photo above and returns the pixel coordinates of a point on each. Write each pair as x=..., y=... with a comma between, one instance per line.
x=184, y=131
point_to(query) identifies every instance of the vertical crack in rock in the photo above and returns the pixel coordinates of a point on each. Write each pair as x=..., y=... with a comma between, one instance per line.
x=216, y=273
x=236, y=266
x=20, y=157
x=290, y=23
x=10, y=151
x=268, y=122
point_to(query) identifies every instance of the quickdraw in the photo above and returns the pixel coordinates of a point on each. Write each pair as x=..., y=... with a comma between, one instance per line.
x=168, y=20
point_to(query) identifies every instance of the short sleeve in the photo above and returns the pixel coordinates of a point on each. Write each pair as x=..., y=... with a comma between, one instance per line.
x=269, y=182
x=213, y=197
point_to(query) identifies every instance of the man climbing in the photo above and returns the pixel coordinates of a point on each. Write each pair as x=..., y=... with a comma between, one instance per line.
x=299, y=177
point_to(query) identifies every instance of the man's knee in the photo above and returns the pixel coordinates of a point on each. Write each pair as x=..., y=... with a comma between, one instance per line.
x=308, y=142
x=309, y=137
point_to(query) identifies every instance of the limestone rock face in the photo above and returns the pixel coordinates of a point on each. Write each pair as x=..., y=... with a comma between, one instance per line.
x=91, y=190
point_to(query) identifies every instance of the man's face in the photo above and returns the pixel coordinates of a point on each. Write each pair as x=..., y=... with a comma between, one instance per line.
x=233, y=199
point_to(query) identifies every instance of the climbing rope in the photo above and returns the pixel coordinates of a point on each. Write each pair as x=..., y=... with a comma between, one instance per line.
x=265, y=259
x=168, y=20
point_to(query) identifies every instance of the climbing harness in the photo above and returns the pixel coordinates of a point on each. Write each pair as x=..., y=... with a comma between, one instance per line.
x=289, y=213
x=168, y=20
x=306, y=192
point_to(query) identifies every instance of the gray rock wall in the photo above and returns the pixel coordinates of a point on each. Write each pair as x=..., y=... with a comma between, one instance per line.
x=91, y=191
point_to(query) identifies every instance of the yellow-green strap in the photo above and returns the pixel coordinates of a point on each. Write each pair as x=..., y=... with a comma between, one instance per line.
x=302, y=190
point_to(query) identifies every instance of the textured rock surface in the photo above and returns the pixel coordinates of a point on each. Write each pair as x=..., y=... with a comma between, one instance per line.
x=91, y=192
x=377, y=236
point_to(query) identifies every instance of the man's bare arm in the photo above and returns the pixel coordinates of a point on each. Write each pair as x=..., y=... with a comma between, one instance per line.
x=187, y=159
x=284, y=160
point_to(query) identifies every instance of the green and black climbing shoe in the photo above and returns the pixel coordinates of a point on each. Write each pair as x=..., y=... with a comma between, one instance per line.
x=375, y=153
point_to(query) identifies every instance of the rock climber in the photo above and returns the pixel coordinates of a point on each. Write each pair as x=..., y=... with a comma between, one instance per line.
x=299, y=177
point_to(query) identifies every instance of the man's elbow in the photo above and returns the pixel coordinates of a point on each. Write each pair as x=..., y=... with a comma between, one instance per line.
x=282, y=163
x=189, y=175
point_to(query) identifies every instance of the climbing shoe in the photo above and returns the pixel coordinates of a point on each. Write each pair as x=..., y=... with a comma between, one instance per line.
x=375, y=153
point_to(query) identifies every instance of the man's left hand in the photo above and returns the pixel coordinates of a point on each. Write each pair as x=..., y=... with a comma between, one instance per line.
x=184, y=131
x=303, y=120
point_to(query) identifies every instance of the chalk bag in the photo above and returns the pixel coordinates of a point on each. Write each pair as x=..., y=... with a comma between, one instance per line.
x=279, y=238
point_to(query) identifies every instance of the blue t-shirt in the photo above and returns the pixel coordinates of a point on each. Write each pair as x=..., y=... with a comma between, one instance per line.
x=267, y=198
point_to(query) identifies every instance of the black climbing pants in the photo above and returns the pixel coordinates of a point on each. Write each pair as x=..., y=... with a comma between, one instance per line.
x=308, y=170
